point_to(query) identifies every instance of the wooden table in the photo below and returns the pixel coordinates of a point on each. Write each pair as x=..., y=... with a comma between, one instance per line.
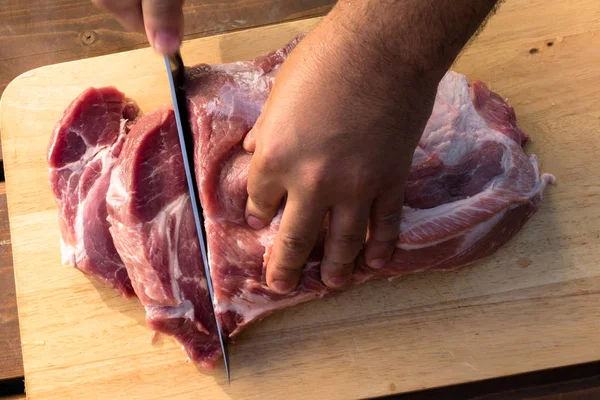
x=37, y=34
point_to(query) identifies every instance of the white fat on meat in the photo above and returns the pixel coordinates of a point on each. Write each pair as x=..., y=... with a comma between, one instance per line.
x=174, y=208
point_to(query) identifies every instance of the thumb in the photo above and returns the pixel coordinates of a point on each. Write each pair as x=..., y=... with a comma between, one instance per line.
x=163, y=21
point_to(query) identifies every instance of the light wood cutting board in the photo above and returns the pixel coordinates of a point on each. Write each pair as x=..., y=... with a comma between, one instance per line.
x=534, y=305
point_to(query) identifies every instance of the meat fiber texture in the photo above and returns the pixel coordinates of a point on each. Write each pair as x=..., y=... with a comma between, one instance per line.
x=82, y=152
x=471, y=188
x=154, y=231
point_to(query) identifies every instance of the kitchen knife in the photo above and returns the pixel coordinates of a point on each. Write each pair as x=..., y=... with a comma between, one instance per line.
x=176, y=73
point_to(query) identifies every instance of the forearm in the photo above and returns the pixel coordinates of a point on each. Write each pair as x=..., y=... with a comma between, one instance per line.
x=426, y=35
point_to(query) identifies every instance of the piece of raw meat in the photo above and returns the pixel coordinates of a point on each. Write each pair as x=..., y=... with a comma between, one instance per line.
x=154, y=231
x=82, y=151
x=470, y=189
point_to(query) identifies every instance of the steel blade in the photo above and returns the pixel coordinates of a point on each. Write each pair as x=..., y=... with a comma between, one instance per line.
x=176, y=73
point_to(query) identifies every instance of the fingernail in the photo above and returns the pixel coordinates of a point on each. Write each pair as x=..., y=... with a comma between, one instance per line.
x=166, y=42
x=254, y=222
x=282, y=287
x=336, y=282
x=377, y=263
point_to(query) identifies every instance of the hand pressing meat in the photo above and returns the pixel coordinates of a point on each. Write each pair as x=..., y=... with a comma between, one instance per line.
x=332, y=142
x=337, y=134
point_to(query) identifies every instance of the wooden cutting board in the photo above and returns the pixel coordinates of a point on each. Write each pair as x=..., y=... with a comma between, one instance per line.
x=534, y=305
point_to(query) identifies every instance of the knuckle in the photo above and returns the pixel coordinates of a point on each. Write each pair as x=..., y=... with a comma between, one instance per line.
x=349, y=239
x=295, y=244
x=263, y=203
x=343, y=258
x=364, y=178
x=315, y=181
x=270, y=159
x=343, y=249
x=265, y=206
x=338, y=267
x=284, y=269
x=388, y=219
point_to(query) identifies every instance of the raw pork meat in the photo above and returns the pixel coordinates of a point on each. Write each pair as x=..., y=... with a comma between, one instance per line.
x=153, y=226
x=471, y=188
x=83, y=149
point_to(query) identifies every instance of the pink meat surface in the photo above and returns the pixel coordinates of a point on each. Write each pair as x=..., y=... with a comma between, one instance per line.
x=153, y=227
x=83, y=150
x=471, y=188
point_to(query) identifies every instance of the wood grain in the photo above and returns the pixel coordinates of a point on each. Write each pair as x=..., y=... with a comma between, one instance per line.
x=534, y=305
x=11, y=364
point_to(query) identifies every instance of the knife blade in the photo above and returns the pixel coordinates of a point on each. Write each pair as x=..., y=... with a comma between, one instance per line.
x=176, y=74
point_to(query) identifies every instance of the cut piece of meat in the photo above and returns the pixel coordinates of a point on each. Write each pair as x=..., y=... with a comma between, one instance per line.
x=82, y=151
x=154, y=231
x=471, y=187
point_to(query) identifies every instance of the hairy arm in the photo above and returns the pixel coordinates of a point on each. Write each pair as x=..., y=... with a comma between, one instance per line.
x=424, y=34
x=399, y=40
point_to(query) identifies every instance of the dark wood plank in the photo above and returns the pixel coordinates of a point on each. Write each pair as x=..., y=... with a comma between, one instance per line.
x=11, y=363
